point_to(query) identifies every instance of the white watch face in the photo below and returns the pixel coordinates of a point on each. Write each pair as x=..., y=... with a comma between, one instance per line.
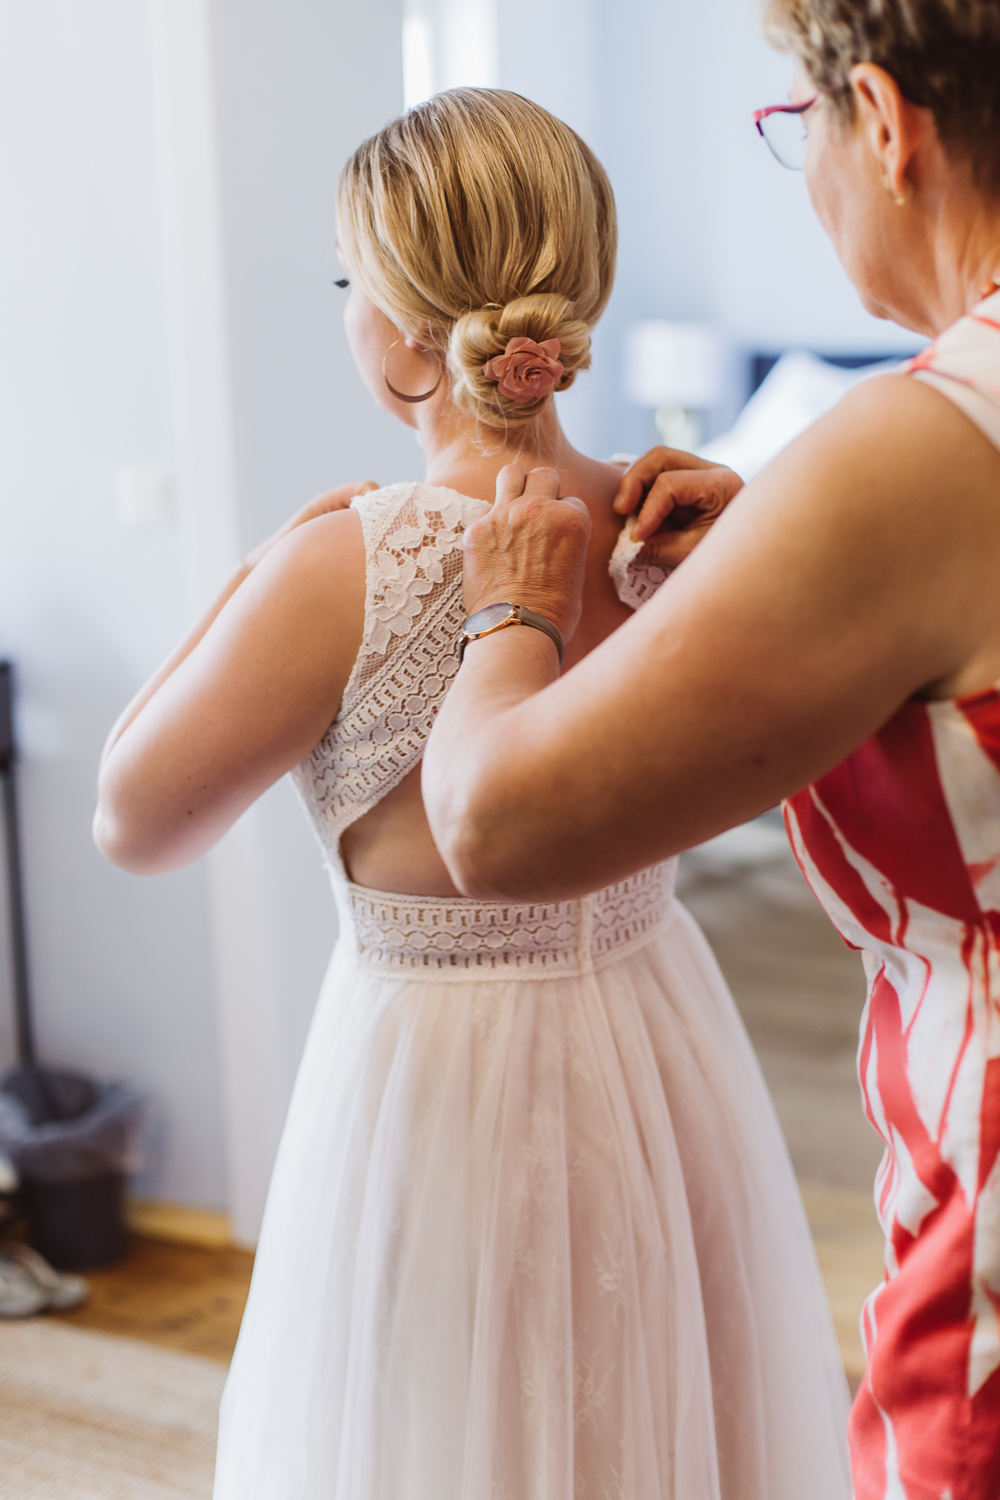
x=488, y=618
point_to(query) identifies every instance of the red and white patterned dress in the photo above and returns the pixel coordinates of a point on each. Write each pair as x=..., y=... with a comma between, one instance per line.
x=901, y=843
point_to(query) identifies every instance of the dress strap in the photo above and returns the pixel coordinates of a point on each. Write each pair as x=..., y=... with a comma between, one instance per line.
x=964, y=365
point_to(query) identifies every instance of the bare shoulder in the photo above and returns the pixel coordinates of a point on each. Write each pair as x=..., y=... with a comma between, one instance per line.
x=877, y=529
x=332, y=542
x=894, y=470
x=906, y=439
x=318, y=569
x=297, y=622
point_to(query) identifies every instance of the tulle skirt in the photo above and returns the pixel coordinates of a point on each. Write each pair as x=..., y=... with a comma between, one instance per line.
x=534, y=1239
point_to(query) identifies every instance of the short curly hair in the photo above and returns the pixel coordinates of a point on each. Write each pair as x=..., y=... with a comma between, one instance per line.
x=944, y=55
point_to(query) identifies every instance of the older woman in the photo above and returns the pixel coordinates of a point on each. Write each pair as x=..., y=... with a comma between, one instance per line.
x=836, y=642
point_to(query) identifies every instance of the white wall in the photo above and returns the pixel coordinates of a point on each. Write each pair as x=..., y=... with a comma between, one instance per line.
x=131, y=975
x=120, y=966
x=301, y=85
x=297, y=88
x=710, y=225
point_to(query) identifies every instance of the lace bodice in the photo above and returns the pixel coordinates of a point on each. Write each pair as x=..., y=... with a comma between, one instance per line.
x=408, y=657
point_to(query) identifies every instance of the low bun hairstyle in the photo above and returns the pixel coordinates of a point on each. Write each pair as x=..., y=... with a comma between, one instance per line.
x=476, y=218
x=476, y=336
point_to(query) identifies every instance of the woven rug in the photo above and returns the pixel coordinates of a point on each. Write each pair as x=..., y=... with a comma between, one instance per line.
x=87, y=1417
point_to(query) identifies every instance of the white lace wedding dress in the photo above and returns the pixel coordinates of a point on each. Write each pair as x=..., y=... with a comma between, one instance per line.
x=532, y=1232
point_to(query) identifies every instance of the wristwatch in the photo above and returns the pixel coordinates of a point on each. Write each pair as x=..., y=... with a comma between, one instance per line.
x=498, y=616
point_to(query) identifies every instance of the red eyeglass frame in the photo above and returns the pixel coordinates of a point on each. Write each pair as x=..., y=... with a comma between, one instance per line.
x=760, y=115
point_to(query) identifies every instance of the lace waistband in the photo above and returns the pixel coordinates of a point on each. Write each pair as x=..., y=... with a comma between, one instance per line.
x=447, y=936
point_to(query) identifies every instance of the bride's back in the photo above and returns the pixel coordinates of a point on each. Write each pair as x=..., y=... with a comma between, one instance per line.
x=478, y=233
x=390, y=847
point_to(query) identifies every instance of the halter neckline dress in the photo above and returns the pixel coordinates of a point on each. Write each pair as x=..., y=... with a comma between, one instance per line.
x=901, y=843
x=532, y=1232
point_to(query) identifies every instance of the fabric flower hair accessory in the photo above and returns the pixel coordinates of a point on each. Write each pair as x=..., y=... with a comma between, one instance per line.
x=526, y=371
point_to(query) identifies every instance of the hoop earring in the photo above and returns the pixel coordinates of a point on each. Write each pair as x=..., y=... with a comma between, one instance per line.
x=399, y=395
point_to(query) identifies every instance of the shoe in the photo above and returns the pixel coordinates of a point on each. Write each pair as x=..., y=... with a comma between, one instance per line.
x=61, y=1292
x=20, y=1294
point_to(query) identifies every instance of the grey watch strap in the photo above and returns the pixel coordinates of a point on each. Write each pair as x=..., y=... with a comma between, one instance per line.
x=519, y=615
x=539, y=622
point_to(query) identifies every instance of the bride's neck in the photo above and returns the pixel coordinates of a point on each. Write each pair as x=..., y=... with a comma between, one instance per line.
x=461, y=454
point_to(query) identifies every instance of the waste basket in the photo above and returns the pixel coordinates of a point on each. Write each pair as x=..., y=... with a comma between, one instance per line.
x=72, y=1140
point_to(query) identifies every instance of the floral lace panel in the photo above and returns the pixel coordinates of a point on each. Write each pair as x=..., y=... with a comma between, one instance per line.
x=634, y=581
x=408, y=655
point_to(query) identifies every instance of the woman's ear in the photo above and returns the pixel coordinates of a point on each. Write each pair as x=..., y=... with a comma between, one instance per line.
x=419, y=346
x=894, y=128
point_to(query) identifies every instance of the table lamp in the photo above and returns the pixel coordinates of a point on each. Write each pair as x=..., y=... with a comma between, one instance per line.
x=679, y=369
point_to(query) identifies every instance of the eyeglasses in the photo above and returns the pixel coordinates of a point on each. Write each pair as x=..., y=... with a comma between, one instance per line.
x=783, y=128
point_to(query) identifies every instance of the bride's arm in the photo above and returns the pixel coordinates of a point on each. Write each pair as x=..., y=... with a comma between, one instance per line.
x=241, y=702
x=857, y=570
x=325, y=504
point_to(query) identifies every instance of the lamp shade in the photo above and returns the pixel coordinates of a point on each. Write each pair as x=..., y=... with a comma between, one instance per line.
x=675, y=363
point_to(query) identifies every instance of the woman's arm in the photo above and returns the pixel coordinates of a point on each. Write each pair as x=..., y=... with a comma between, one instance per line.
x=241, y=703
x=857, y=570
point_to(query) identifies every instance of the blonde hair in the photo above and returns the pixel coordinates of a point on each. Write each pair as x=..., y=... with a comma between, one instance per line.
x=943, y=54
x=475, y=218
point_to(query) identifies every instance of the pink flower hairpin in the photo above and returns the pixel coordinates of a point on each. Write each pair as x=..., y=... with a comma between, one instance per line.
x=526, y=371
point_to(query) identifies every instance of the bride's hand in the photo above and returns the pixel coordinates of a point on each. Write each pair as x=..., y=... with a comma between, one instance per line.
x=339, y=499
x=681, y=497
x=529, y=549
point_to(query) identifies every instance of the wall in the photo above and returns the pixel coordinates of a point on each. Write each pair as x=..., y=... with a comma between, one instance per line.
x=294, y=105
x=298, y=87
x=120, y=966
x=711, y=227
x=105, y=269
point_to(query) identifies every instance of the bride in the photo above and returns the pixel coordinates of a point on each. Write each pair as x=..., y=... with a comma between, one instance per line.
x=532, y=1231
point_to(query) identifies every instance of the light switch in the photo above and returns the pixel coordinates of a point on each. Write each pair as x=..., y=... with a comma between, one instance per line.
x=145, y=498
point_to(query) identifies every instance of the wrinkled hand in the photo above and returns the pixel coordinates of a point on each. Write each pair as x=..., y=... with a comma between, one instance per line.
x=530, y=549
x=338, y=499
x=681, y=497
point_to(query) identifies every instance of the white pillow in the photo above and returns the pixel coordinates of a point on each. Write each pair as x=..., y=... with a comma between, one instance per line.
x=798, y=390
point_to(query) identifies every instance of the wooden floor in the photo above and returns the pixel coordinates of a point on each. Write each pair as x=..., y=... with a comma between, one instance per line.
x=174, y=1295
x=800, y=991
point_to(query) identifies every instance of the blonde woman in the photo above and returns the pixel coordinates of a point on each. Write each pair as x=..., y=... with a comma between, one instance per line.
x=532, y=1231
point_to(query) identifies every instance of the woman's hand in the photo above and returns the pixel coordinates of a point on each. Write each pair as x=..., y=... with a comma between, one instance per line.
x=338, y=499
x=678, y=492
x=529, y=549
